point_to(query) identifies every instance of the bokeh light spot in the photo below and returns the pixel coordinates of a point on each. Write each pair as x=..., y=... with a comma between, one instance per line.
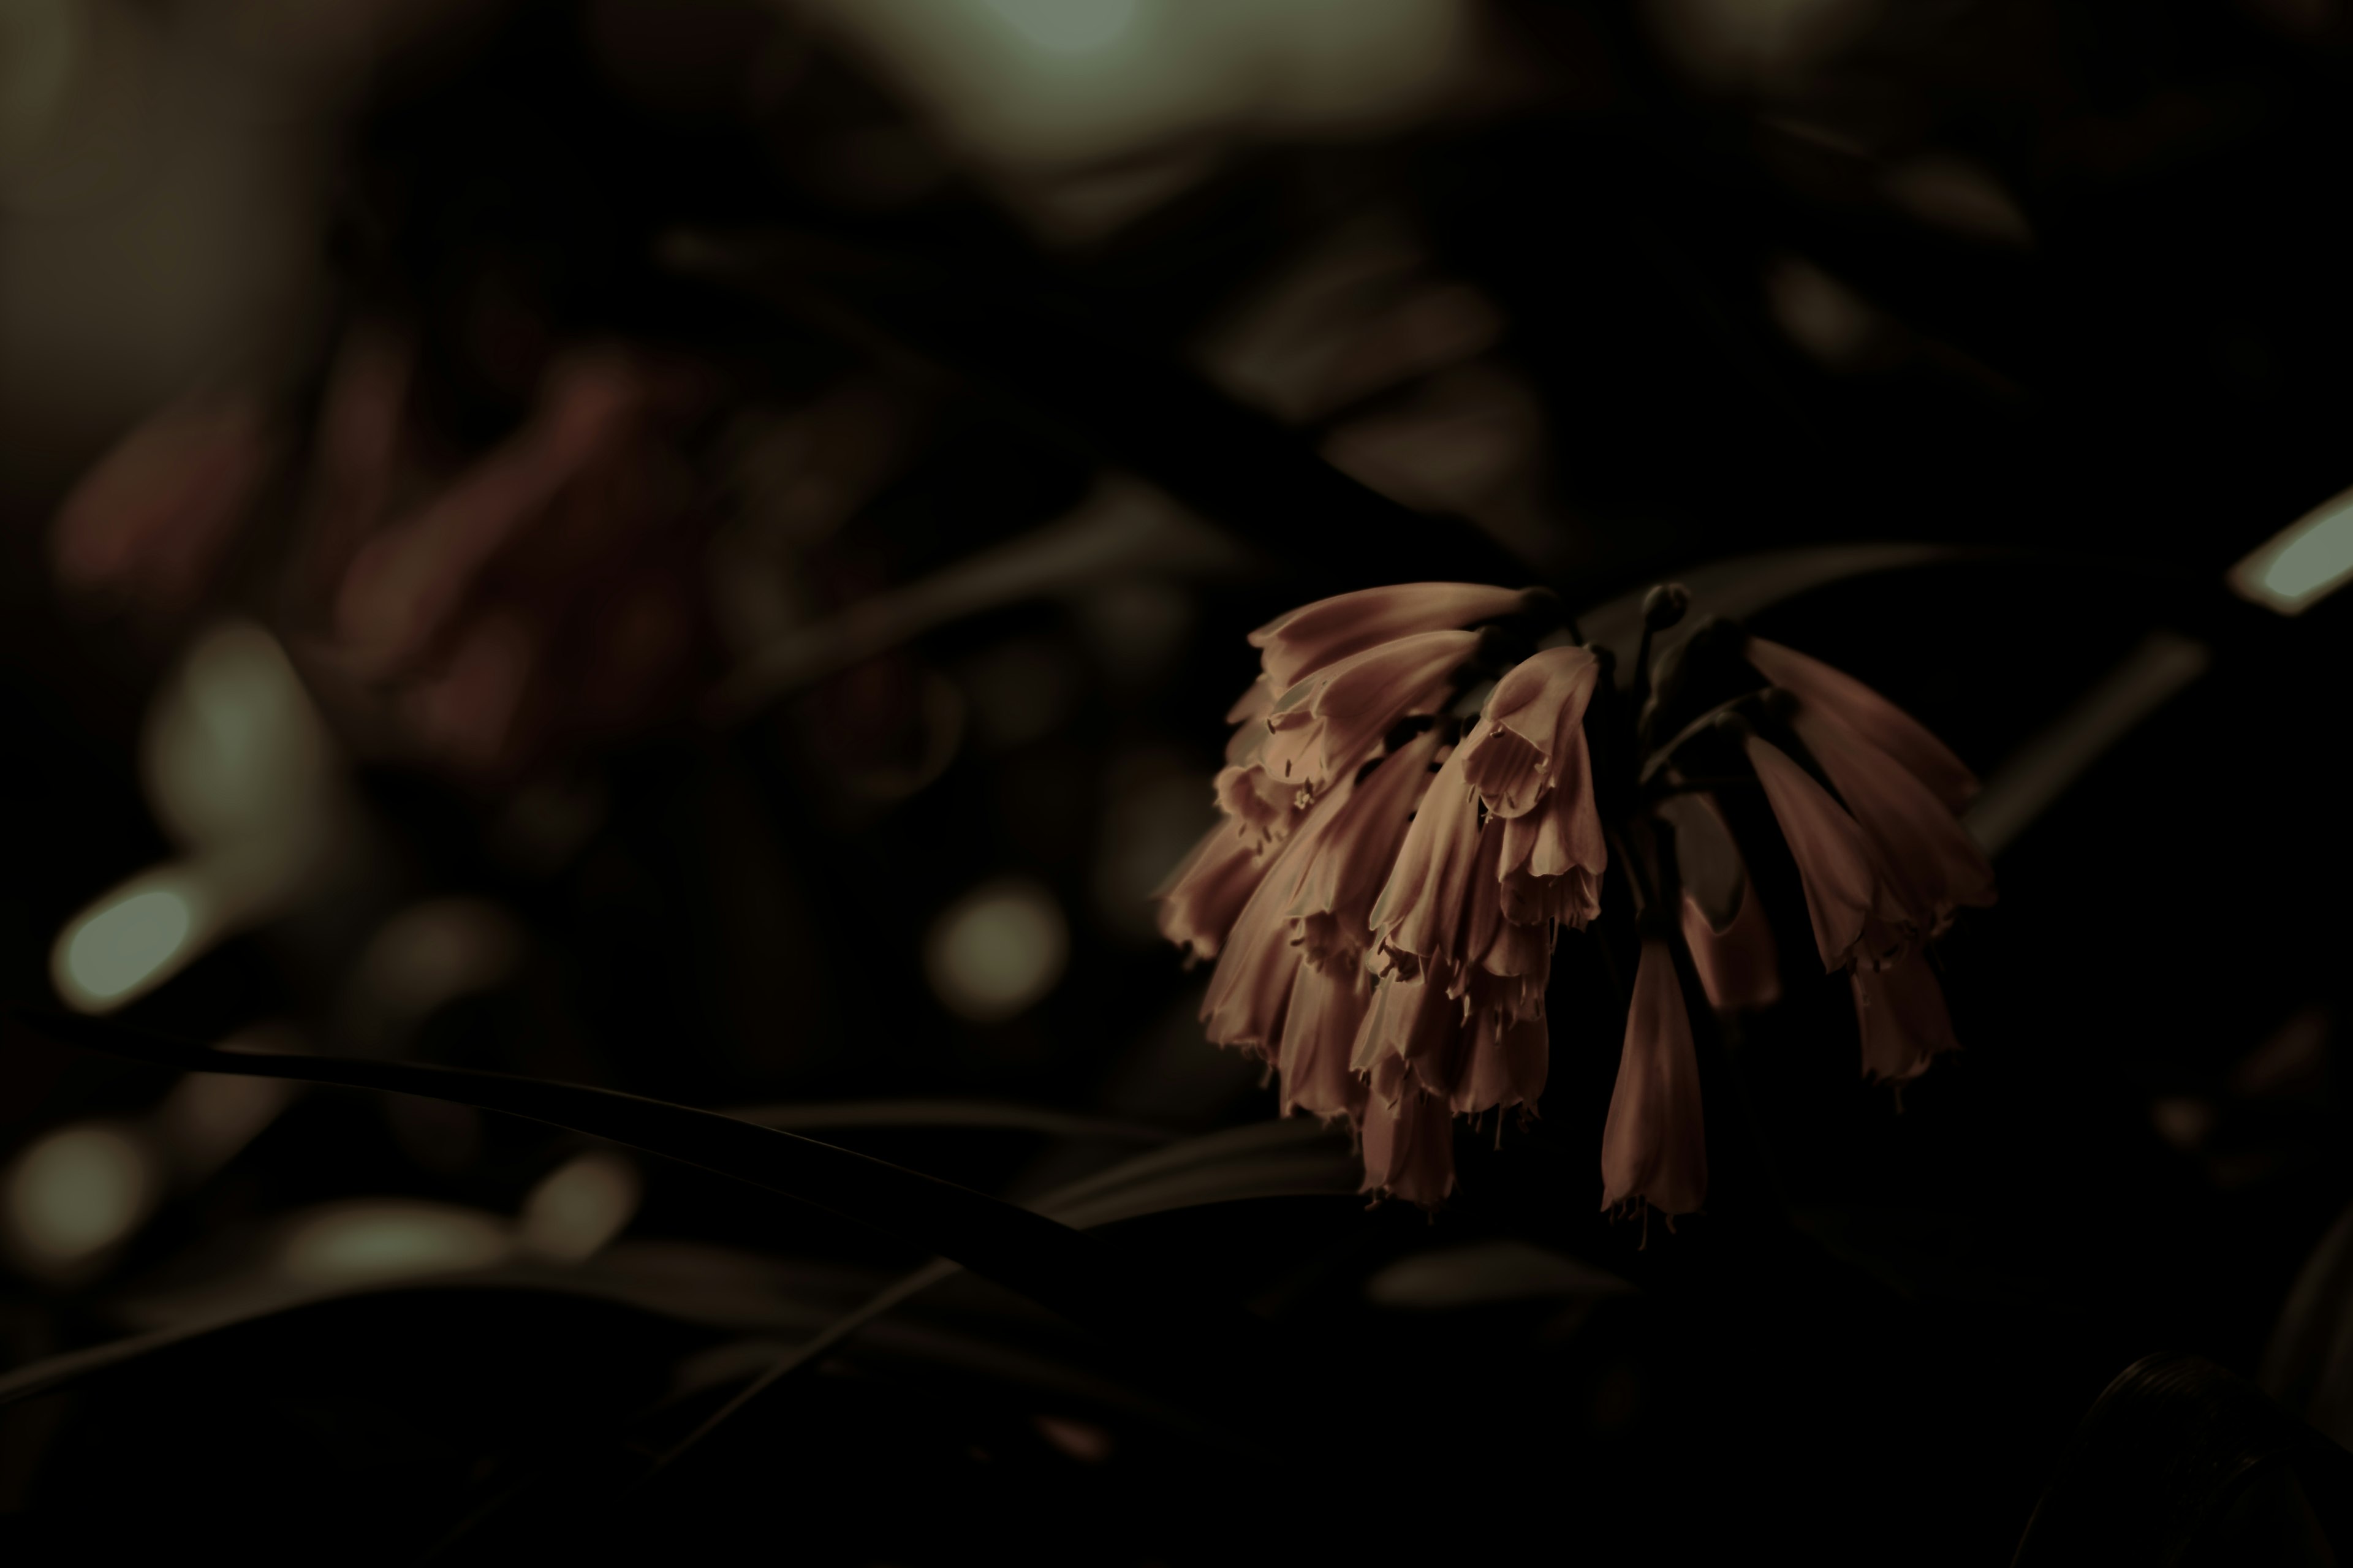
x=2304, y=563
x=1068, y=27
x=579, y=1206
x=998, y=950
x=121, y=946
x=359, y=1243
x=76, y=1191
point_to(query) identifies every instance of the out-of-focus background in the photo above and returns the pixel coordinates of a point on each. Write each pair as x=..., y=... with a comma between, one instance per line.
x=701, y=546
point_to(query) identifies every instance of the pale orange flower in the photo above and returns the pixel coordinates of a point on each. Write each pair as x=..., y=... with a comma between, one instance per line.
x=1655, y=1146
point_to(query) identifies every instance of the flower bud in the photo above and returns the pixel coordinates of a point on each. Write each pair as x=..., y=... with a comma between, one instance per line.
x=1663, y=605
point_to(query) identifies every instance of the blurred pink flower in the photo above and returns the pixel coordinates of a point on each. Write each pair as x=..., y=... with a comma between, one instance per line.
x=475, y=616
x=1655, y=1146
x=152, y=521
x=1300, y=642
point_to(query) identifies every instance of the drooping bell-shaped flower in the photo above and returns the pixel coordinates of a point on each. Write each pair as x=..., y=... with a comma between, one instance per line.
x=1298, y=643
x=1202, y=898
x=1331, y=915
x=1328, y=1004
x=1869, y=715
x=1505, y=1063
x=1250, y=993
x=1723, y=920
x=1527, y=761
x=1853, y=915
x=1655, y=1146
x=1924, y=857
x=1413, y=1026
x=1408, y=1144
x=1424, y=918
x=1511, y=756
x=1901, y=1015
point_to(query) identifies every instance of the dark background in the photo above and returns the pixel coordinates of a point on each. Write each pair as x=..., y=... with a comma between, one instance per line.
x=2115, y=387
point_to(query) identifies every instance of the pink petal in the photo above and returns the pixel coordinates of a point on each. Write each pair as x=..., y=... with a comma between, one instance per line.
x=1421, y=911
x=1507, y=1062
x=1655, y=1146
x=1738, y=966
x=1250, y=990
x=1327, y=1008
x=1930, y=862
x=1409, y=1149
x=1552, y=859
x=1251, y=797
x=1842, y=890
x=1873, y=717
x=1333, y=911
x=1411, y=1021
x=1326, y=725
x=1302, y=641
x=1253, y=704
x=1200, y=900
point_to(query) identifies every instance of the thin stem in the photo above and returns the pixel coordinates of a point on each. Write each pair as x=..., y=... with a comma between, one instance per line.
x=1664, y=755
x=1698, y=784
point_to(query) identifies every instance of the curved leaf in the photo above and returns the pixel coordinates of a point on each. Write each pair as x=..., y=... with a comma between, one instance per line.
x=1091, y=1283
x=2178, y=1461
x=976, y=1113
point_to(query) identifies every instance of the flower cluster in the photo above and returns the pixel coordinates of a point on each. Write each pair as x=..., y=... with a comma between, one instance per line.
x=1398, y=857
x=1383, y=899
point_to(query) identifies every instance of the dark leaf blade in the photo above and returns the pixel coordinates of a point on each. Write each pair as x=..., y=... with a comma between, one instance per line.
x=2306, y=1366
x=1080, y=1277
x=988, y=1115
x=2164, y=1466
